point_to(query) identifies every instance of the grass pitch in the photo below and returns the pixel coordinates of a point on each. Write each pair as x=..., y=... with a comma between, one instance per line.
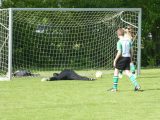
x=31, y=99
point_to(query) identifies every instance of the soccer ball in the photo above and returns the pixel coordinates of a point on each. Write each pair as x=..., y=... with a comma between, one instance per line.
x=98, y=74
x=44, y=79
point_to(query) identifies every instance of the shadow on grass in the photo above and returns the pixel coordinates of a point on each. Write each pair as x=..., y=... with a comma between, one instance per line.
x=109, y=90
x=150, y=77
x=131, y=90
x=142, y=90
x=152, y=89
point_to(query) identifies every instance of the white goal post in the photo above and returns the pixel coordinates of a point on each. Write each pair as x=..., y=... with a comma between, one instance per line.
x=50, y=39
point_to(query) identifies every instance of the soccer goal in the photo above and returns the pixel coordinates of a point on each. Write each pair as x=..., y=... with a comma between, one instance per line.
x=49, y=39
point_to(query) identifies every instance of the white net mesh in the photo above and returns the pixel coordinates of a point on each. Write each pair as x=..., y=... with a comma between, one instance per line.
x=3, y=42
x=57, y=40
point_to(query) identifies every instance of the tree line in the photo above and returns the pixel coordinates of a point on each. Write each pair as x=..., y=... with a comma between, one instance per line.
x=150, y=19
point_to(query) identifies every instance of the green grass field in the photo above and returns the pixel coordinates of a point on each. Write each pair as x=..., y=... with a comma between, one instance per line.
x=31, y=99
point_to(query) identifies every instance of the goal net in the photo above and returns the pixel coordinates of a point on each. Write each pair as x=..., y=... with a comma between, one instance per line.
x=4, y=35
x=57, y=39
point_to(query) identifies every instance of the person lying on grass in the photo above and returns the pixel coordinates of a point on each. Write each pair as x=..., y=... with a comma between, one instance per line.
x=67, y=75
x=24, y=73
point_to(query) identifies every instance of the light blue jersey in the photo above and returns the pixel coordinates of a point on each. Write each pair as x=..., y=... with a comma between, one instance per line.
x=124, y=45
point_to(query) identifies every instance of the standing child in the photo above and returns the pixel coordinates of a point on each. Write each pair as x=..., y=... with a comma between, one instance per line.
x=129, y=34
x=122, y=60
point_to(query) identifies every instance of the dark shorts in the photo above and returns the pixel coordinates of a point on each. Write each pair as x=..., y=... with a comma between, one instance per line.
x=123, y=63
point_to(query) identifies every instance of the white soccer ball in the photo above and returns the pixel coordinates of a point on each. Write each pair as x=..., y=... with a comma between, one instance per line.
x=44, y=79
x=98, y=74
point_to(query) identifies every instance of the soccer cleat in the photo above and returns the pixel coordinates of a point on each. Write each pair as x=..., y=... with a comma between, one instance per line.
x=112, y=90
x=137, y=88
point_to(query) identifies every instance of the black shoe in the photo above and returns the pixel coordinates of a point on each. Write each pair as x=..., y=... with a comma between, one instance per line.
x=137, y=88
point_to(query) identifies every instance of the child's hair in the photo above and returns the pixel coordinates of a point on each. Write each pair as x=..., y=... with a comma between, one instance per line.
x=120, y=32
x=131, y=31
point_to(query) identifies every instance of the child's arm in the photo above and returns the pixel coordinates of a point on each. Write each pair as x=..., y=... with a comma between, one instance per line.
x=117, y=57
x=119, y=53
